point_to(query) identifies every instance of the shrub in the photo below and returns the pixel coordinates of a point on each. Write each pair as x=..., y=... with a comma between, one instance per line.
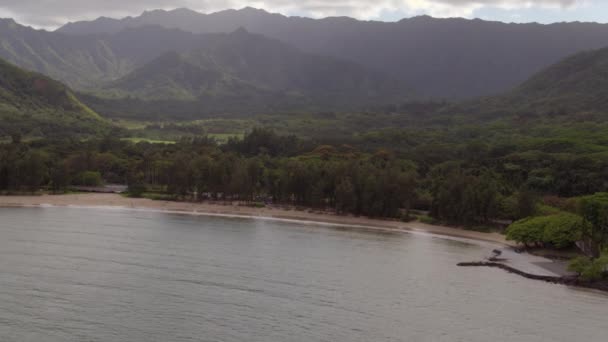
x=579, y=264
x=590, y=269
x=88, y=178
x=529, y=231
x=560, y=230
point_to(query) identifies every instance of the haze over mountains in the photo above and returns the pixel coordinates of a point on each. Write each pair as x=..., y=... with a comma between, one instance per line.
x=228, y=72
x=182, y=64
x=244, y=63
x=440, y=58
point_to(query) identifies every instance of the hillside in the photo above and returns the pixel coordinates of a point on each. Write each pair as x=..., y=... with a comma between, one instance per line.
x=441, y=58
x=575, y=86
x=35, y=105
x=260, y=74
x=87, y=62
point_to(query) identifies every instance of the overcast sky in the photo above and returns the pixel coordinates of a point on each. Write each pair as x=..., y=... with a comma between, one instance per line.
x=50, y=14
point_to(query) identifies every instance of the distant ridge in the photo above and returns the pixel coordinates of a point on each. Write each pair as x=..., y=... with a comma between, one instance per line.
x=440, y=58
x=243, y=73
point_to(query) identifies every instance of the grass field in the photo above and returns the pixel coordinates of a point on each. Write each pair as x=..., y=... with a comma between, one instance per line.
x=136, y=140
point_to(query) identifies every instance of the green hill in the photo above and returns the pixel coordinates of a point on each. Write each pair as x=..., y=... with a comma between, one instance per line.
x=34, y=105
x=449, y=58
x=572, y=90
x=243, y=73
x=574, y=85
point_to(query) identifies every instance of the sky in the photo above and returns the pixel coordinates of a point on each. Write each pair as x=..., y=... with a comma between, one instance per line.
x=50, y=14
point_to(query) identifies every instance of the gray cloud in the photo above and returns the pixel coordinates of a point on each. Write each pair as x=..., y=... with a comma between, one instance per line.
x=52, y=13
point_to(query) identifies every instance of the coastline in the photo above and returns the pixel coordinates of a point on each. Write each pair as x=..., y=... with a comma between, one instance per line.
x=522, y=264
x=209, y=209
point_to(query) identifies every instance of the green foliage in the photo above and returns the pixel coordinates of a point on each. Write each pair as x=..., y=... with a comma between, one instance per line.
x=563, y=230
x=32, y=170
x=590, y=269
x=559, y=230
x=528, y=231
x=460, y=197
x=594, y=209
x=88, y=178
x=35, y=105
x=519, y=205
x=136, y=185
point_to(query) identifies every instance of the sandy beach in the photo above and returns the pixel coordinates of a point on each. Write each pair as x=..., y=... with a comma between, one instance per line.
x=522, y=261
x=115, y=200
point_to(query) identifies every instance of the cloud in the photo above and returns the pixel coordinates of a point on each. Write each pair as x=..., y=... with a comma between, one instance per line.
x=52, y=13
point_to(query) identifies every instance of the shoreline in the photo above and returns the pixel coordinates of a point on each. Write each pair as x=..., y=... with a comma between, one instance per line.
x=522, y=264
x=92, y=200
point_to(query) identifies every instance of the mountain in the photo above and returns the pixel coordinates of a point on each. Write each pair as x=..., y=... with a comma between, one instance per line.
x=35, y=105
x=572, y=90
x=86, y=62
x=576, y=84
x=442, y=58
x=248, y=73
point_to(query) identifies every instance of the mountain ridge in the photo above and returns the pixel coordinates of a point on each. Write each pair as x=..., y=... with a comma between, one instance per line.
x=263, y=73
x=451, y=58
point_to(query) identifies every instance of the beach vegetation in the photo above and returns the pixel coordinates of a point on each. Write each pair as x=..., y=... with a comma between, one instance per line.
x=559, y=231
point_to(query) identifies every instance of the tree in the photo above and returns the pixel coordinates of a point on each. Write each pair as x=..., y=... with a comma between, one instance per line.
x=346, y=200
x=88, y=178
x=560, y=230
x=563, y=230
x=526, y=204
x=594, y=210
x=463, y=197
x=60, y=177
x=588, y=268
x=528, y=231
x=32, y=170
x=181, y=175
x=136, y=184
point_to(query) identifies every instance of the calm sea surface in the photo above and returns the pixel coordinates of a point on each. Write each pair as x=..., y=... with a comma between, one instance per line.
x=70, y=274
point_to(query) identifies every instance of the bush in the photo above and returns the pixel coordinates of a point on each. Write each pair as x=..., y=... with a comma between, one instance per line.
x=561, y=230
x=589, y=269
x=579, y=264
x=529, y=231
x=88, y=178
x=136, y=186
x=136, y=189
x=428, y=220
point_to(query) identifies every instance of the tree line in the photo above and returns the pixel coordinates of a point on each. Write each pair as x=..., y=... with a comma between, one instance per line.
x=265, y=167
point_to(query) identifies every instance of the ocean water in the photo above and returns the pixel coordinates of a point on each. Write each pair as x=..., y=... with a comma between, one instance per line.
x=74, y=274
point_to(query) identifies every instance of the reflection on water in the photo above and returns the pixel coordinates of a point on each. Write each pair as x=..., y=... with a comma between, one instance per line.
x=119, y=275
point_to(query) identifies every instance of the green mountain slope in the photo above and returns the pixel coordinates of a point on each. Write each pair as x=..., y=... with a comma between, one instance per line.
x=260, y=73
x=85, y=63
x=576, y=84
x=35, y=105
x=443, y=58
x=573, y=90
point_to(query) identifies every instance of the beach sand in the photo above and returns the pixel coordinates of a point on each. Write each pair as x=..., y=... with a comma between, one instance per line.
x=522, y=261
x=115, y=200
